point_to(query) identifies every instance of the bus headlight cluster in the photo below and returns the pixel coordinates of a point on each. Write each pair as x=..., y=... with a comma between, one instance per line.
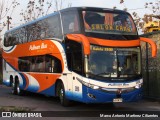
x=90, y=85
x=138, y=86
x=93, y=86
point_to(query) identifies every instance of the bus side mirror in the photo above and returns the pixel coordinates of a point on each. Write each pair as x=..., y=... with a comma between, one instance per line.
x=153, y=45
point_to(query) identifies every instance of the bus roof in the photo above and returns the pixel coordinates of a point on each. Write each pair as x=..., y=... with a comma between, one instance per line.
x=67, y=9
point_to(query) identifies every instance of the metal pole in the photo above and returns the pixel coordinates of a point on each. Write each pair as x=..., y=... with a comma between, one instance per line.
x=8, y=22
x=147, y=70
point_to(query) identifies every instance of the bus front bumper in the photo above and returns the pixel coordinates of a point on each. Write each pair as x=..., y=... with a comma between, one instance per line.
x=97, y=96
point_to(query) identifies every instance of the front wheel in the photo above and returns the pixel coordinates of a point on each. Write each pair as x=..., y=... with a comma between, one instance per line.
x=61, y=94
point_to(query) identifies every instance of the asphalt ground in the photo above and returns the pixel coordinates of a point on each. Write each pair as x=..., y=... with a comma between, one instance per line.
x=38, y=103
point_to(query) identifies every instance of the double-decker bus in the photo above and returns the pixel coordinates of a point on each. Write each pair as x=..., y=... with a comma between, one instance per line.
x=85, y=54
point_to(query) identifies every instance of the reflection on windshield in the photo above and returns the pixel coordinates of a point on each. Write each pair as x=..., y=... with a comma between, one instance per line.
x=114, y=62
x=115, y=23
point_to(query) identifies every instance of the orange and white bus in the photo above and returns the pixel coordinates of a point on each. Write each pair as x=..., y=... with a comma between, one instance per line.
x=85, y=54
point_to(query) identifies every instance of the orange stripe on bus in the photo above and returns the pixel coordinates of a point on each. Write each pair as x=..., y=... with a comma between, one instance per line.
x=114, y=43
x=81, y=38
x=32, y=49
x=45, y=80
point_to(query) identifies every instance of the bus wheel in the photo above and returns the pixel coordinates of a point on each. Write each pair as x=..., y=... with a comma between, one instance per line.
x=13, y=88
x=61, y=94
x=11, y=81
x=16, y=89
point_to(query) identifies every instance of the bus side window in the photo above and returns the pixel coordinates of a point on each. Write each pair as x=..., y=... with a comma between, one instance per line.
x=70, y=22
x=23, y=64
x=56, y=64
x=53, y=64
x=40, y=64
x=54, y=27
x=48, y=64
x=32, y=66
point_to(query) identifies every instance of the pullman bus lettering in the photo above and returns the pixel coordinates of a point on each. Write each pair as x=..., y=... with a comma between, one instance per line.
x=118, y=84
x=34, y=47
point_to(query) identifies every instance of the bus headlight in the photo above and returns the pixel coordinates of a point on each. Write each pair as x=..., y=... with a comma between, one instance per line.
x=85, y=83
x=93, y=86
x=138, y=86
x=90, y=85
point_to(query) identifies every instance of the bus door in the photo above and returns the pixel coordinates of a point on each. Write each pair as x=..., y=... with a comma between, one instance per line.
x=75, y=66
x=74, y=87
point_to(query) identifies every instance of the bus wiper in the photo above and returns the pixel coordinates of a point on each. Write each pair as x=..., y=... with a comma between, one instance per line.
x=124, y=37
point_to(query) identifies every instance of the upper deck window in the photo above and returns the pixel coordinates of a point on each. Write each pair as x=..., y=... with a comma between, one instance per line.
x=110, y=23
x=70, y=22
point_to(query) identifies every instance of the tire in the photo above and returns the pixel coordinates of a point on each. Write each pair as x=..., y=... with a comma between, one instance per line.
x=13, y=88
x=16, y=89
x=61, y=94
x=11, y=82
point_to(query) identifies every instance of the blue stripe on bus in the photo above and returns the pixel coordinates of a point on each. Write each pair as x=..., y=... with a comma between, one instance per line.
x=49, y=91
x=6, y=82
x=23, y=78
x=10, y=49
x=33, y=88
x=24, y=81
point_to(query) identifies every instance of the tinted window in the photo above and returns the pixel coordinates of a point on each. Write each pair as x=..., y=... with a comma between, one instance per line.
x=74, y=56
x=109, y=23
x=70, y=22
x=24, y=64
x=46, y=28
x=22, y=35
x=47, y=63
x=54, y=27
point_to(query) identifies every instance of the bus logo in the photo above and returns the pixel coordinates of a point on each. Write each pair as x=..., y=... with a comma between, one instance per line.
x=118, y=84
x=34, y=47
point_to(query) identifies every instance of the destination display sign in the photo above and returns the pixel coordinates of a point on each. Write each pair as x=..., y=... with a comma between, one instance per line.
x=105, y=27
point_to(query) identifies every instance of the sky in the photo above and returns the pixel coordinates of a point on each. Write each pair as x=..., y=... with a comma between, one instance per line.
x=132, y=5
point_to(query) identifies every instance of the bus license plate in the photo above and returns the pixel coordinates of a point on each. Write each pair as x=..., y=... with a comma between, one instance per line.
x=118, y=100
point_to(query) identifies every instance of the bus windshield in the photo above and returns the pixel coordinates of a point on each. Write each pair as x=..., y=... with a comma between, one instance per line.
x=108, y=23
x=114, y=62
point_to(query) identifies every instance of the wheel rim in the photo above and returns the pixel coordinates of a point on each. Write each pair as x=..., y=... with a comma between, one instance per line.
x=18, y=89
